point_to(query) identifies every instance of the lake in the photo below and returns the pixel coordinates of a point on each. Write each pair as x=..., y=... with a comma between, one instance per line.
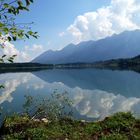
x=95, y=93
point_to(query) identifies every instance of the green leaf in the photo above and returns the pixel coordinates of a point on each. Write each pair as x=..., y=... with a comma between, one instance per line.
x=2, y=86
x=30, y=32
x=6, y=5
x=5, y=16
x=2, y=46
x=31, y=1
x=1, y=24
x=20, y=3
x=5, y=30
x=3, y=56
x=9, y=38
x=27, y=36
x=27, y=2
x=1, y=60
x=25, y=8
x=35, y=36
x=9, y=11
x=10, y=60
x=14, y=55
x=14, y=38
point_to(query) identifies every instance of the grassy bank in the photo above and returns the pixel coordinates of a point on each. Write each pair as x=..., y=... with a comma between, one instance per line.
x=120, y=126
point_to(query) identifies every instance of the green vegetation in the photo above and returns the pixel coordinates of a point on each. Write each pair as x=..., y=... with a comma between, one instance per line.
x=10, y=30
x=50, y=118
x=114, y=64
x=120, y=64
x=23, y=67
x=120, y=126
x=53, y=108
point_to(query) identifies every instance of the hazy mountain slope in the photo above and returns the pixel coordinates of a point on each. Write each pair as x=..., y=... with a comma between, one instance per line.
x=126, y=44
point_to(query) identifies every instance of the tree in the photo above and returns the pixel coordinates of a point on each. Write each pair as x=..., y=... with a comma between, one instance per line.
x=9, y=29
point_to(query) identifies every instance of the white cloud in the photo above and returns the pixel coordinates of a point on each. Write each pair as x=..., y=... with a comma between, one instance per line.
x=34, y=48
x=61, y=34
x=30, y=52
x=119, y=16
x=25, y=55
x=9, y=50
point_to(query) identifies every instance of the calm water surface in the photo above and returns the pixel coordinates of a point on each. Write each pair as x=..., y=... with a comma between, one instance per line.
x=95, y=93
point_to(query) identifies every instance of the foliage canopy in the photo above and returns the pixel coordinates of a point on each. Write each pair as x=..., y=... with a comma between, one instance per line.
x=10, y=30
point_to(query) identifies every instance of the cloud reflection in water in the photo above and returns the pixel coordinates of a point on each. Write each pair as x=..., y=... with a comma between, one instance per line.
x=95, y=104
x=11, y=82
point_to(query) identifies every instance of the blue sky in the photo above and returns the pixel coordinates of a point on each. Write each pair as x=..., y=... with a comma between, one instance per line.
x=60, y=22
x=51, y=17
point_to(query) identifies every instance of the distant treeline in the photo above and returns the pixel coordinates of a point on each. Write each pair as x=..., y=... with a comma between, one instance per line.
x=116, y=64
x=74, y=65
x=23, y=65
x=122, y=64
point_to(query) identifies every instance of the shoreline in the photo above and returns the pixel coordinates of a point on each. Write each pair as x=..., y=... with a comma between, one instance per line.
x=120, y=126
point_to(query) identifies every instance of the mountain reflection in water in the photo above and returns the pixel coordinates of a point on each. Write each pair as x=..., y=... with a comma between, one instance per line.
x=95, y=93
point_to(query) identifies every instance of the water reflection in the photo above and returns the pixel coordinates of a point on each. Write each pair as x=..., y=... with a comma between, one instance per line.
x=11, y=82
x=95, y=93
x=98, y=104
x=118, y=82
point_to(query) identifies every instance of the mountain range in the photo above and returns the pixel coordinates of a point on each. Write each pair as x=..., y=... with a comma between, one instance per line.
x=123, y=45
